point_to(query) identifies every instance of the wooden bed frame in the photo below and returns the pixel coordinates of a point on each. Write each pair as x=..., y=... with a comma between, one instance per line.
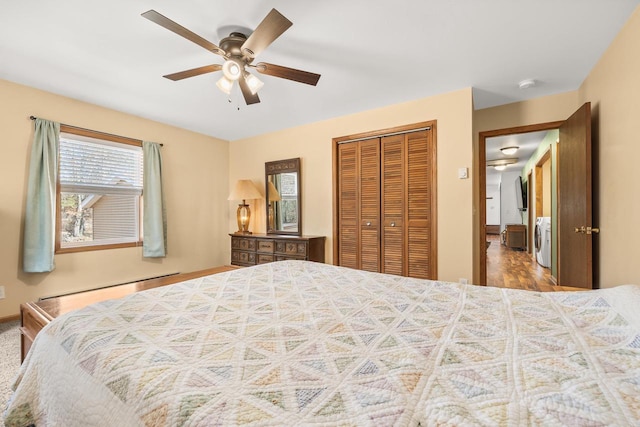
x=36, y=315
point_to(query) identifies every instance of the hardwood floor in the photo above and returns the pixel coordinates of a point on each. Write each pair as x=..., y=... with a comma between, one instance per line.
x=510, y=268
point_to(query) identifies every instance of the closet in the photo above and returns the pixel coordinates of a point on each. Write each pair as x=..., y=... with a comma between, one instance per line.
x=385, y=201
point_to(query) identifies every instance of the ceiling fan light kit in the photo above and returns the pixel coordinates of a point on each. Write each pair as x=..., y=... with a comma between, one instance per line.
x=231, y=70
x=239, y=51
x=225, y=85
x=254, y=83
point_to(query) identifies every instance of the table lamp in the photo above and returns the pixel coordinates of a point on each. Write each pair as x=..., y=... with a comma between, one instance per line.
x=244, y=190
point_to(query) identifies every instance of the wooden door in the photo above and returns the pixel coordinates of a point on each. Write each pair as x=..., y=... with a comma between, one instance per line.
x=575, y=248
x=393, y=205
x=359, y=204
x=418, y=215
x=369, y=189
x=407, y=205
x=348, y=206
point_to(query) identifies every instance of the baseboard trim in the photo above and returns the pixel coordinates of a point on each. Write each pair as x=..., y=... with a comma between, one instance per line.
x=554, y=280
x=9, y=318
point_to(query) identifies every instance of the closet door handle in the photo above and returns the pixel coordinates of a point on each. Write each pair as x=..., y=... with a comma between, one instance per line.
x=368, y=223
x=393, y=224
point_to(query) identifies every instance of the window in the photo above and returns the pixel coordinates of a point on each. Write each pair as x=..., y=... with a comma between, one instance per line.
x=99, y=191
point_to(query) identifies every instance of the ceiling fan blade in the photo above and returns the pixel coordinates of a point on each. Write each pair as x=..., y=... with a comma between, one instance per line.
x=271, y=27
x=288, y=73
x=167, y=23
x=193, y=72
x=249, y=97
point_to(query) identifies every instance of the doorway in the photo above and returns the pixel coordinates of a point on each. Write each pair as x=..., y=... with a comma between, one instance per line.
x=576, y=235
x=513, y=182
x=519, y=211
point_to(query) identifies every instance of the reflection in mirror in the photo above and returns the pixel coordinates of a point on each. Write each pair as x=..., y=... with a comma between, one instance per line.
x=283, y=197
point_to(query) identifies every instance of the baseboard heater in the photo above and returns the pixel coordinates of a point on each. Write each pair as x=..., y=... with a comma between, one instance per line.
x=108, y=286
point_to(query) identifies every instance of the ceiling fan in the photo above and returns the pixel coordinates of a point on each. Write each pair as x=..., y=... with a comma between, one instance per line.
x=239, y=51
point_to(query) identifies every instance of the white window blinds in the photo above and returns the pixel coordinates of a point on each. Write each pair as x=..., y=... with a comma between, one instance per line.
x=89, y=165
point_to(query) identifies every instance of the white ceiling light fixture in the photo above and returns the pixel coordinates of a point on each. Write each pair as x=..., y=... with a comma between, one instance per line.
x=225, y=85
x=526, y=84
x=231, y=70
x=501, y=164
x=254, y=83
x=509, y=150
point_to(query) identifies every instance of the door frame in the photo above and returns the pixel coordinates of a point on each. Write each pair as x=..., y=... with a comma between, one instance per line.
x=530, y=235
x=481, y=186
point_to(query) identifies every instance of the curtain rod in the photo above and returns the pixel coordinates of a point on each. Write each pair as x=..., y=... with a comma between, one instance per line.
x=95, y=131
x=384, y=134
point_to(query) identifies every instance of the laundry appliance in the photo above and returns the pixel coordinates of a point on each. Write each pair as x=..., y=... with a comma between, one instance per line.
x=543, y=241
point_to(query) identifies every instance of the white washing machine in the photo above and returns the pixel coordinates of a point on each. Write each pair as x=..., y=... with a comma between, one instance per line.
x=543, y=241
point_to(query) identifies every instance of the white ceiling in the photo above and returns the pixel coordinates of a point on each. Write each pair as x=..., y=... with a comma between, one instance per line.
x=371, y=53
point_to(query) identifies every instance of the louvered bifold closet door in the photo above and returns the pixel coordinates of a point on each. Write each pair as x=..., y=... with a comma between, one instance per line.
x=348, y=206
x=418, y=210
x=393, y=205
x=369, y=204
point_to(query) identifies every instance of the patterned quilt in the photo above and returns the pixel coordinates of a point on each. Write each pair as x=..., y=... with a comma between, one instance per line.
x=298, y=343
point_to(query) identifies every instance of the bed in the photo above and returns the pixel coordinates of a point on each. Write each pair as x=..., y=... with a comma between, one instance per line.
x=300, y=343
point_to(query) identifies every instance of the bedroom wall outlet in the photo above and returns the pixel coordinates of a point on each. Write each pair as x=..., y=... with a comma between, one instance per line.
x=463, y=281
x=1, y=292
x=463, y=173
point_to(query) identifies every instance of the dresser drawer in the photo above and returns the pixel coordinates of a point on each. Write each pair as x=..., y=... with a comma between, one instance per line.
x=266, y=245
x=243, y=243
x=296, y=248
x=281, y=247
x=242, y=257
x=263, y=258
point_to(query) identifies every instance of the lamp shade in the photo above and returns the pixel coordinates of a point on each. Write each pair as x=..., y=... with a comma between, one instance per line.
x=245, y=189
x=225, y=85
x=274, y=195
x=254, y=83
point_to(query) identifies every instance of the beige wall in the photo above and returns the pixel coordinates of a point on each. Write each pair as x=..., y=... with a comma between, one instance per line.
x=453, y=112
x=195, y=170
x=613, y=88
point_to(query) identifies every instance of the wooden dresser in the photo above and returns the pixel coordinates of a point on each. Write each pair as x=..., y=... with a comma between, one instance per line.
x=254, y=249
x=36, y=315
x=516, y=236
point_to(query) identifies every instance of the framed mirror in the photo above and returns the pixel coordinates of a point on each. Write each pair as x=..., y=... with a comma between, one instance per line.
x=283, y=193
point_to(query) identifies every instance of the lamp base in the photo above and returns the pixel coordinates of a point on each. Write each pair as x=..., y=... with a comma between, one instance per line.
x=243, y=215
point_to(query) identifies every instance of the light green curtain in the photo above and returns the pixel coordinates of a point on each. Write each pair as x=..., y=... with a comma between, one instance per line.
x=40, y=211
x=155, y=215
